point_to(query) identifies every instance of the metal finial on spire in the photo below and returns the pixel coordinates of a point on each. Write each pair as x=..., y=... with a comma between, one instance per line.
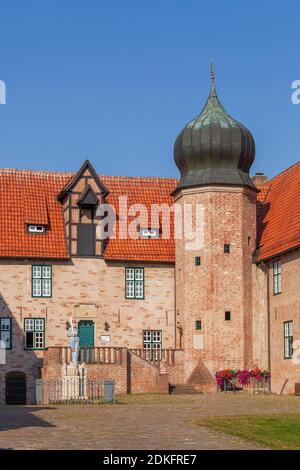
x=212, y=70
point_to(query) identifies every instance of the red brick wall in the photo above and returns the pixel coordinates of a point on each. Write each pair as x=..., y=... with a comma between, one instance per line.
x=133, y=374
x=176, y=372
x=143, y=377
x=19, y=360
x=222, y=282
x=117, y=372
x=83, y=282
x=285, y=307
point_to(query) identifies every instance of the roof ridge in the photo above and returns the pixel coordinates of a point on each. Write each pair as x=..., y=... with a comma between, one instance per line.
x=140, y=177
x=282, y=172
x=69, y=174
x=34, y=172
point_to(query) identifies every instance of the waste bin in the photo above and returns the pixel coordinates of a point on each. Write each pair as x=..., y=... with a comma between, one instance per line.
x=38, y=391
x=109, y=391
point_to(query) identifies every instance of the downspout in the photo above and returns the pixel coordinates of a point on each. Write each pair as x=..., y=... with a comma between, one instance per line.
x=269, y=318
x=175, y=306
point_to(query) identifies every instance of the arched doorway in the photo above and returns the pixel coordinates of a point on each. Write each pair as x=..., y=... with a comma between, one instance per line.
x=15, y=388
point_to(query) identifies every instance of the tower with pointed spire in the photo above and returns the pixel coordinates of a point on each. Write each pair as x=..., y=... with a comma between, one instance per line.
x=214, y=153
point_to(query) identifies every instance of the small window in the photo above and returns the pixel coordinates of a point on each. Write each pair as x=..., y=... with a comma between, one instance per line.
x=288, y=340
x=152, y=344
x=6, y=333
x=134, y=283
x=150, y=233
x=226, y=248
x=198, y=324
x=227, y=316
x=41, y=281
x=36, y=228
x=86, y=239
x=197, y=261
x=34, y=329
x=277, y=277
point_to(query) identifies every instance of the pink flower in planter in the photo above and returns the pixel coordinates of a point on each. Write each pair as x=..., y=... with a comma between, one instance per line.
x=243, y=376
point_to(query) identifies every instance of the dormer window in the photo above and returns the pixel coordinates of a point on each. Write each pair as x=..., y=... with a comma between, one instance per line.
x=79, y=199
x=36, y=228
x=86, y=228
x=150, y=233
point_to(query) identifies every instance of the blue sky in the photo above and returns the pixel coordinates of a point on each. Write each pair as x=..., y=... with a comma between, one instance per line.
x=116, y=81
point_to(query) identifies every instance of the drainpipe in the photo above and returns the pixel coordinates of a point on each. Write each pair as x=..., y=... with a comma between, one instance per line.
x=175, y=306
x=269, y=317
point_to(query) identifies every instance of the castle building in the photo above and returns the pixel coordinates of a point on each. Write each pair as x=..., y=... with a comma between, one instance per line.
x=220, y=290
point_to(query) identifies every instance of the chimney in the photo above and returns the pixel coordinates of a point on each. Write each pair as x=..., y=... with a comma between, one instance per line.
x=259, y=179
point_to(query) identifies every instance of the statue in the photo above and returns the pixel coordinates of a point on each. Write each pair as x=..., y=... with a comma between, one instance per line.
x=72, y=332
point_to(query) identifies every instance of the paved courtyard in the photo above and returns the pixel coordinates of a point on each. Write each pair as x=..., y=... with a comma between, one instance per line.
x=140, y=422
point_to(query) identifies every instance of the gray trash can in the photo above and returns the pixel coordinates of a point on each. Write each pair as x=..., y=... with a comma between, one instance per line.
x=38, y=391
x=109, y=391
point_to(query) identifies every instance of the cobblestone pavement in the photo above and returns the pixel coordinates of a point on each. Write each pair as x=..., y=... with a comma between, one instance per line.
x=142, y=422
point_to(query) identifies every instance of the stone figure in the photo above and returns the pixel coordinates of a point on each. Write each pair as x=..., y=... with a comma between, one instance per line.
x=72, y=332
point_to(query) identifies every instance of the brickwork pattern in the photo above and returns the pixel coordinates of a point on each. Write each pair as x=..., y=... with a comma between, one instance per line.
x=222, y=283
x=98, y=289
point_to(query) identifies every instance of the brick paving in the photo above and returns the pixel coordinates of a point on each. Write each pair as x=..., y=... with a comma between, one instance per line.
x=149, y=422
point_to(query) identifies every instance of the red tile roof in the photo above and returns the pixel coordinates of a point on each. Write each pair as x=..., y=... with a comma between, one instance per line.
x=144, y=191
x=278, y=214
x=30, y=197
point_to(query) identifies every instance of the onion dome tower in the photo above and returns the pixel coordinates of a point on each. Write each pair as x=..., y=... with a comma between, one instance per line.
x=214, y=148
x=214, y=254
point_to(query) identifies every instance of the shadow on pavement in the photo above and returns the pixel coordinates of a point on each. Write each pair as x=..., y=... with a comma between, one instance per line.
x=16, y=417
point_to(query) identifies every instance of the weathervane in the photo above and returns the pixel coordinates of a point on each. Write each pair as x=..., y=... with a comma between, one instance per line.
x=212, y=70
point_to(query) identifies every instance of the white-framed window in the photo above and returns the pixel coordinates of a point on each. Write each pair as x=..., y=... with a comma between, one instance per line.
x=34, y=330
x=134, y=283
x=36, y=228
x=41, y=280
x=288, y=339
x=152, y=343
x=277, y=277
x=6, y=332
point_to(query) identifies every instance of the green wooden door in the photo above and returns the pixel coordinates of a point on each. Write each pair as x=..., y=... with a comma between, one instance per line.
x=86, y=339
